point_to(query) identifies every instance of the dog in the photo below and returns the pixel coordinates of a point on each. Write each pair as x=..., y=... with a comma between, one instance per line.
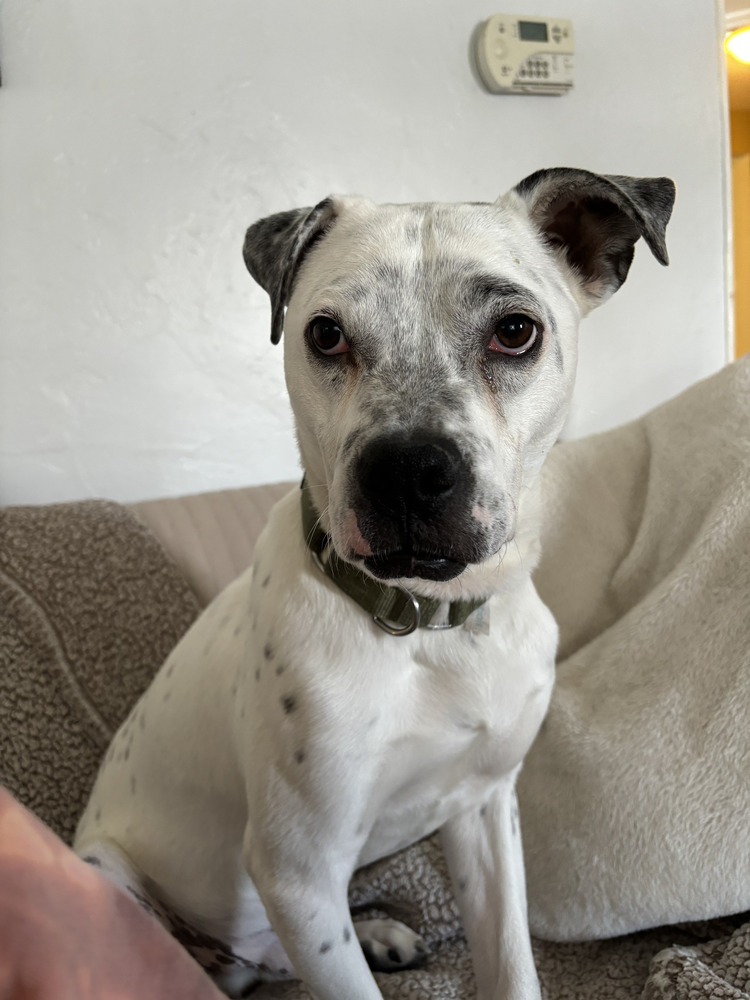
x=383, y=667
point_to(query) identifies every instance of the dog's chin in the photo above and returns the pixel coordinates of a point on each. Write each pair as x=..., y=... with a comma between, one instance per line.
x=411, y=565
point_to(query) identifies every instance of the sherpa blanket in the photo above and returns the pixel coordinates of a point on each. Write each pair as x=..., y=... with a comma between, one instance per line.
x=89, y=609
x=635, y=798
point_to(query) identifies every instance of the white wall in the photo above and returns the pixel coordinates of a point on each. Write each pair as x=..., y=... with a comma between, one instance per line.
x=139, y=139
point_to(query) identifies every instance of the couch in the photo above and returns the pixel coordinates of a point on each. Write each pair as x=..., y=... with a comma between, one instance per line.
x=635, y=799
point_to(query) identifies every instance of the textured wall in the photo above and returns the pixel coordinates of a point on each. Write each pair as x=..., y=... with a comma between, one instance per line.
x=140, y=138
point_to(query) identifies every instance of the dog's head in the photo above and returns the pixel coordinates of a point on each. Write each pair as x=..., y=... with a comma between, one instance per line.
x=430, y=354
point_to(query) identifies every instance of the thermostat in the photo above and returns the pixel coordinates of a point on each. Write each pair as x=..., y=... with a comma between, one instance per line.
x=525, y=55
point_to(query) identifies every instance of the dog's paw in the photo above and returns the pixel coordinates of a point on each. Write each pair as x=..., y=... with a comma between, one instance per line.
x=390, y=945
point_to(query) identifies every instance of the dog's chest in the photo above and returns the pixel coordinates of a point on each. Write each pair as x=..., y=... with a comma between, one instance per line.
x=454, y=731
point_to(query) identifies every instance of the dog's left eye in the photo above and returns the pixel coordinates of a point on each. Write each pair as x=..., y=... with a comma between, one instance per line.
x=514, y=334
x=327, y=336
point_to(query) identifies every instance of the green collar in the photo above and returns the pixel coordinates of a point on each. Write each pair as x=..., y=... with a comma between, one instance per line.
x=394, y=609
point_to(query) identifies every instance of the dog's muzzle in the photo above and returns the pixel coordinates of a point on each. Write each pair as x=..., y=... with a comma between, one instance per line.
x=411, y=502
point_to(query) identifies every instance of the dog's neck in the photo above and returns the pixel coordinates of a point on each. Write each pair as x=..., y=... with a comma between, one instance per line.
x=410, y=604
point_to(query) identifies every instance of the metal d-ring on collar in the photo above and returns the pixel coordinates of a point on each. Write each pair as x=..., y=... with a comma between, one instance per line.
x=407, y=629
x=374, y=597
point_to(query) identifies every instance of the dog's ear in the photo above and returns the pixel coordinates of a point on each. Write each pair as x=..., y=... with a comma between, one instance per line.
x=596, y=220
x=275, y=247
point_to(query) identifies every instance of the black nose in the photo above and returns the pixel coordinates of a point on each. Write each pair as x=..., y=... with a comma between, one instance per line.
x=405, y=480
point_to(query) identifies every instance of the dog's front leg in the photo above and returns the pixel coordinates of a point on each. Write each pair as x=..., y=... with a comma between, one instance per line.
x=483, y=850
x=303, y=878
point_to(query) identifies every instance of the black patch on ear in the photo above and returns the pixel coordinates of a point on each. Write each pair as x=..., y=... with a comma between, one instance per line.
x=597, y=219
x=274, y=249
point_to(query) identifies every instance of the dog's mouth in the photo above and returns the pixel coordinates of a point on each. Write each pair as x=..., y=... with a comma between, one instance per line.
x=425, y=566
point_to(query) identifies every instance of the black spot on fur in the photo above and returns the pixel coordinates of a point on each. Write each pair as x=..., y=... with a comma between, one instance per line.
x=266, y=581
x=170, y=668
x=483, y=811
x=326, y=946
x=299, y=756
x=268, y=651
x=280, y=669
x=289, y=703
x=90, y=859
x=347, y=935
x=257, y=674
x=463, y=883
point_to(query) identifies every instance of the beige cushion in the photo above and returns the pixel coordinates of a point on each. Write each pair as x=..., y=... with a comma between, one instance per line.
x=211, y=536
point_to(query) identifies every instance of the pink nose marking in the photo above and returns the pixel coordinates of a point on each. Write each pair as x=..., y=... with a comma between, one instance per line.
x=482, y=515
x=354, y=536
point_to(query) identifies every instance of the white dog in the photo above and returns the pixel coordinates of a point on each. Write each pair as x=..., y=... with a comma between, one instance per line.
x=317, y=717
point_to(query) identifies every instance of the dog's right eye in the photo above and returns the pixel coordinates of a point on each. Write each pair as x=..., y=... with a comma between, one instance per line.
x=514, y=335
x=327, y=337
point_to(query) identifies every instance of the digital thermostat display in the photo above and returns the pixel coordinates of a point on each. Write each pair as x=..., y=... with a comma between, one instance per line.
x=532, y=31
